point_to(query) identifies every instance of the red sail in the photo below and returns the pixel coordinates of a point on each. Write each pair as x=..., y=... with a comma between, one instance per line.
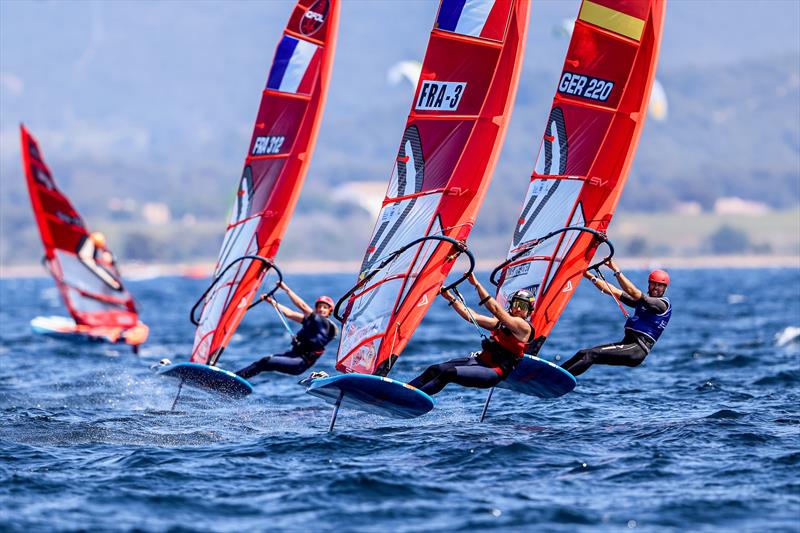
x=453, y=135
x=90, y=286
x=587, y=149
x=280, y=150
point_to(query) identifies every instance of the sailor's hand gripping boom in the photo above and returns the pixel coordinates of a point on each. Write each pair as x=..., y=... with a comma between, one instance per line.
x=459, y=247
x=532, y=245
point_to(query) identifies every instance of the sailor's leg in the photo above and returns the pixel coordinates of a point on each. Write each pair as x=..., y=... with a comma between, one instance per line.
x=605, y=354
x=255, y=368
x=582, y=360
x=286, y=363
x=467, y=372
x=478, y=376
x=621, y=355
x=433, y=379
x=293, y=365
x=429, y=374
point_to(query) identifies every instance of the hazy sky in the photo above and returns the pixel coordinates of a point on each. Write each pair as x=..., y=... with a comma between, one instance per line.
x=136, y=79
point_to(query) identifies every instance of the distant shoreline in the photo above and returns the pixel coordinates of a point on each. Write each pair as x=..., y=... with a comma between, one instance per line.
x=134, y=271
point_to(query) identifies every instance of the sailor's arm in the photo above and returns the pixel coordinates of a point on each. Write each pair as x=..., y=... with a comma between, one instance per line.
x=288, y=312
x=657, y=305
x=486, y=322
x=518, y=326
x=625, y=284
x=296, y=300
x=603, y=286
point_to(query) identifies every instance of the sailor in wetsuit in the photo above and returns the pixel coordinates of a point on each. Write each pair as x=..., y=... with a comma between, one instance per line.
x=650, y=316
x=307, y=345
x=510, y=330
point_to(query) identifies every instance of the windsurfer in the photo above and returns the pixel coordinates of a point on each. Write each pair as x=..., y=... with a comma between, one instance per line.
x=93, y=253
x=651, y=314
x=502, y=350
x=308, y=344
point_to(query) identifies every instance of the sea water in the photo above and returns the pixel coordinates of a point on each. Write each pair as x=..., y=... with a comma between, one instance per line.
x=704, y=436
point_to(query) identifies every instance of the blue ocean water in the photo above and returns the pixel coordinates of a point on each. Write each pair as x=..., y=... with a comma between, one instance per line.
x=705, y=436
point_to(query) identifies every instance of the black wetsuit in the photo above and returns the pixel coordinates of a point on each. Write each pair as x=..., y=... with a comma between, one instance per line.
x=631, y=350
x=307, y=346
x=482, y=370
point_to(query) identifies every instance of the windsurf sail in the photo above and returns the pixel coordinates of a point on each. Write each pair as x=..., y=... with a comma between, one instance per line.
x=586, y=151
x=90, y=285
x=280, y=150
x=458, y=120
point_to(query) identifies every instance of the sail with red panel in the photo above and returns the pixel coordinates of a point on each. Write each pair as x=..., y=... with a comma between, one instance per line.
x=86, y=275
x=587, y=148
x=461, y=108
x=280, y=150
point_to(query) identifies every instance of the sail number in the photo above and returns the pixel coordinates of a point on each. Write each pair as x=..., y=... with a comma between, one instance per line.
x=585, y=86
x=268, y=145
x=440, y=95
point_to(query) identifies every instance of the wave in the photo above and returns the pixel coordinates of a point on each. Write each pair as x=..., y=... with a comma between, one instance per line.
x=789, y=335
x=785, y=377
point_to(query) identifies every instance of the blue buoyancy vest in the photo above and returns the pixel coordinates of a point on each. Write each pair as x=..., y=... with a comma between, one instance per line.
x=648, y=322
x=316, y=332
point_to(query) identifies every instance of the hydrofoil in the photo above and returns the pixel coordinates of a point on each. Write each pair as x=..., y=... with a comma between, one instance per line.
x=536, y=377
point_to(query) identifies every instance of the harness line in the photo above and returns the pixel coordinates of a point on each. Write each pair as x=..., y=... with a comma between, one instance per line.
x=608, y=287
x=274, y=303
x=469, y=313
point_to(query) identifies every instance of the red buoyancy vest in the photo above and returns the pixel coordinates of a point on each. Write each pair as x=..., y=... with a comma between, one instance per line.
x=503, y=350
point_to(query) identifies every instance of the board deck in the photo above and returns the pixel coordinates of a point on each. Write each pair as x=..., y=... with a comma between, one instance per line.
x=56, y=326
x=537, y=377
x=65, y=328
x=210, y=378
x=373, y=394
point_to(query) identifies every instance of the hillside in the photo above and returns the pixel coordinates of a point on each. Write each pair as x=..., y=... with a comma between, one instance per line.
x=132, y=104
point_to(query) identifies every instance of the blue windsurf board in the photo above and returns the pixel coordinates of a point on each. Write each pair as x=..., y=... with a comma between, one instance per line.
x=537, y=377
x=210, y=378
x=373, y=394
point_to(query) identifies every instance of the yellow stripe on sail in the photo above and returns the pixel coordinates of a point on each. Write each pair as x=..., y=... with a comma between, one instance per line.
x=611, y=19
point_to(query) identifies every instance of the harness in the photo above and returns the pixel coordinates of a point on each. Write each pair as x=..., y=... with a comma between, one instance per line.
x=502, y=350
x=649, y=323
x=315, y=333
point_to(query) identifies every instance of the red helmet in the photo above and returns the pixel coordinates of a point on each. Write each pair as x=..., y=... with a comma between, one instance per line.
x=659, y=276
x=324, y=300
